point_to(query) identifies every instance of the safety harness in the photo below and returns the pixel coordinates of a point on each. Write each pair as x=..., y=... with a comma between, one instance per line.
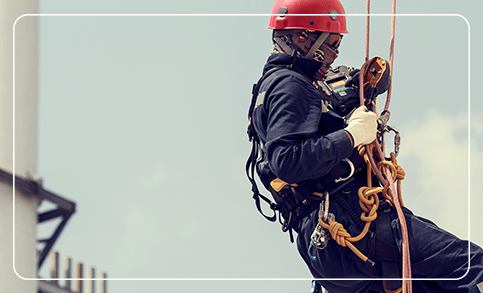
x=387, y=171
x=295, y=201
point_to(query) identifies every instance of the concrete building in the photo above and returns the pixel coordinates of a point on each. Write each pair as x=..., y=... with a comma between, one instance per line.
x=21, y=191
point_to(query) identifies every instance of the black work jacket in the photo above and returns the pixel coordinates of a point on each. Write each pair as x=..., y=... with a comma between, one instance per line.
x=300, y=138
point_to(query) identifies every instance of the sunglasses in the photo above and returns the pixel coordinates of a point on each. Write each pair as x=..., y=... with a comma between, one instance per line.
x=333, y=40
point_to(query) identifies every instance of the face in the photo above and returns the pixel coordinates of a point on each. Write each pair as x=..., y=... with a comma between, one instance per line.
x=303, y=40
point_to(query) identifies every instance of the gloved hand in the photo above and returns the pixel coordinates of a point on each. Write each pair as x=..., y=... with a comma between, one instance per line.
x=362, y=126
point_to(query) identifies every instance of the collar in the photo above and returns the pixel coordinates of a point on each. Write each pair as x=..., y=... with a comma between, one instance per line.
x=304, y=66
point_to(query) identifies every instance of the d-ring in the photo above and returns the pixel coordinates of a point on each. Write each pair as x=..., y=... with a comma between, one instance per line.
x=353, y=169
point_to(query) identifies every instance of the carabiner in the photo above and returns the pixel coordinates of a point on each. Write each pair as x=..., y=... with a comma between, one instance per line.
x=397, y=139
x=353, y=169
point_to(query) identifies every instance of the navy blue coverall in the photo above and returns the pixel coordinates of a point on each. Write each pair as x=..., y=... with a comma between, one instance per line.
x=302, y=140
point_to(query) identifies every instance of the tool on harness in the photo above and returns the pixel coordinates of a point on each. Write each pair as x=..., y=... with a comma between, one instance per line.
x=320, y=237
x=382, y=128
x=346, y=95
x=295, y=201
x=342, y=85
x=377, y=78
x=353, y=169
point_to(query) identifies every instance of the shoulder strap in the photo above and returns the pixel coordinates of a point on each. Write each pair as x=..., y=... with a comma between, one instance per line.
x=255, y=89
x=252, y=159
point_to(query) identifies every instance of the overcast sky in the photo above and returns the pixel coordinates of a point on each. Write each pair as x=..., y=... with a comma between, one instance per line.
x=142, y=123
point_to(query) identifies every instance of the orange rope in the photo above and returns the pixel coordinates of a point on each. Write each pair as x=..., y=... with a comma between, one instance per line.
x=399, y=290
x=369, y=203
x=397, y=201
x=387, y=173
x=391, y=170
x=368, y=200
x=368, y=20
x=391, y=53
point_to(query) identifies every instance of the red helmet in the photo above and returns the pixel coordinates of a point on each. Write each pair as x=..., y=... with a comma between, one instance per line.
x=284, y=15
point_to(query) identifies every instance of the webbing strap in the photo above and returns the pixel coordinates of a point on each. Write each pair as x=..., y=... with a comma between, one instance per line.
x=252, y=159
x=320, y=40
x=326, y=182
x=256, y=87
x=250, y=170
x=386, y=250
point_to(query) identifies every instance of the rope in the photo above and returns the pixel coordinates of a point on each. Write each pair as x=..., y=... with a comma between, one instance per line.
x=368, y=200
x=397, y=172
x=343, y=238
x=391, y=53
x=369, y=203
x=399, y=290
x=397, y=200
x=392, y=171
x=387, y=171
x=368, y=20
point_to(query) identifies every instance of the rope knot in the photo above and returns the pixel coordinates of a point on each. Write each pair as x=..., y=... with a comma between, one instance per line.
x=338, y=233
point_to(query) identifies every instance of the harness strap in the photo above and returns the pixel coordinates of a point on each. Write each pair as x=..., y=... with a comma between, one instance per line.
x=252, y=159
x=326, y=182
x=298, y=200
x=250, y=171
x=256, y=88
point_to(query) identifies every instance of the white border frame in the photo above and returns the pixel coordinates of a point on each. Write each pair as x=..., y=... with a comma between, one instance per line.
x=246, y=279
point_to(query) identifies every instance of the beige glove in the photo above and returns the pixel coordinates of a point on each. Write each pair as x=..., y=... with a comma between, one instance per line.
x=362, y=126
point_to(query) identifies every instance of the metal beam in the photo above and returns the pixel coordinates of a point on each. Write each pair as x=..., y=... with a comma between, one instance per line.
x=32, y=187
x=65, y=208
x=52, y=214
x=48, y=246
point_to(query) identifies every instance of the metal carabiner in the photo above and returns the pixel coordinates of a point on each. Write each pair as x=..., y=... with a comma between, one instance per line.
x=397, y=139
x=353, y=169
x=320, y=236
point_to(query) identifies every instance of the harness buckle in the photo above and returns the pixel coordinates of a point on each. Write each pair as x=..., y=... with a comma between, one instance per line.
x=353, y=169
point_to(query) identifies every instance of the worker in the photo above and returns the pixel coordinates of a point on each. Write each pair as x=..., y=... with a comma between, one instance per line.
x=304, y=135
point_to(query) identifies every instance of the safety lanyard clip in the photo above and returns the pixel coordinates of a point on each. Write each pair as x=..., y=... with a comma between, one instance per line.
x=353, y=169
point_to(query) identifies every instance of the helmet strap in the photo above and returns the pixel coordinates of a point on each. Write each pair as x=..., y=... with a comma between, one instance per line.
x=279, y=34
x=317, y=44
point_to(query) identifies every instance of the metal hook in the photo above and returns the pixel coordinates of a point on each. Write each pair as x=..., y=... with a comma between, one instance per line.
x=351, y=165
